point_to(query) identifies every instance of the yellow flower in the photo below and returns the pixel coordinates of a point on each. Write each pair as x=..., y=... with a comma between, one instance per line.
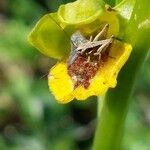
x=49, y=39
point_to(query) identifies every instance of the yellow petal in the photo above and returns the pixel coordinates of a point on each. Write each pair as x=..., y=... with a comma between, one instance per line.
x=61, y=84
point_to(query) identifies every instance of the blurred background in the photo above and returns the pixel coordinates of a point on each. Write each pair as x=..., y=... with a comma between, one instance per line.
x=30, y=118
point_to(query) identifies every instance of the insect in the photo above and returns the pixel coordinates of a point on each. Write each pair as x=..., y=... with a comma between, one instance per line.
x=87, y=56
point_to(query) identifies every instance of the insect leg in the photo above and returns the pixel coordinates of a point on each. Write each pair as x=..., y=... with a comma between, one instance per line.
x=99, y=56
x=102, y=33
x=89, y=59
x=83, y=50
x=91, y=37
x=103, y=47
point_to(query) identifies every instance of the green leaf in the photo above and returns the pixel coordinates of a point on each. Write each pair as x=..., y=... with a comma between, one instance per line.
x=110, y=2
x=125, y=8
x=118, y=1
x=138, y=29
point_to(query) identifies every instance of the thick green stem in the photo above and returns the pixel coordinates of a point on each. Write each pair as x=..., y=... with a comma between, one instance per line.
x=112, y=115
x=115, y=106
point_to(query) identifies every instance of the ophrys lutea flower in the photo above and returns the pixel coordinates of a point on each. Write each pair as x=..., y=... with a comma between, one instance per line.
x=90, y=60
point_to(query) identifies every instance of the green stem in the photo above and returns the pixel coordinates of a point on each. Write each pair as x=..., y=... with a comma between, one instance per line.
x=111, y=120
x=112, y=115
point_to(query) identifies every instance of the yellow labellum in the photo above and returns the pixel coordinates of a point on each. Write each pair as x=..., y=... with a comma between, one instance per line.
x=62, y=86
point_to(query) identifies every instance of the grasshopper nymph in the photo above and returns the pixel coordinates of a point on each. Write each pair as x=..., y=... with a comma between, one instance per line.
x=87, y=56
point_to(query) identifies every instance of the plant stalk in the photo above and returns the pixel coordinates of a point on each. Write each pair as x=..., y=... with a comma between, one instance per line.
x=111, y=120
x=112, y=115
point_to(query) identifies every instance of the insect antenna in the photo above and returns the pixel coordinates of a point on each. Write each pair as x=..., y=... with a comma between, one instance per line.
x=43, y=76
x=47, y=75
x=61, y=28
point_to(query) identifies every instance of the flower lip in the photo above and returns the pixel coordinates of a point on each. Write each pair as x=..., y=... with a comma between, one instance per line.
x=62, y=86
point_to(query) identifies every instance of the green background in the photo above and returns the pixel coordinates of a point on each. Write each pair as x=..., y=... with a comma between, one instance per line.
x=30, y=118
